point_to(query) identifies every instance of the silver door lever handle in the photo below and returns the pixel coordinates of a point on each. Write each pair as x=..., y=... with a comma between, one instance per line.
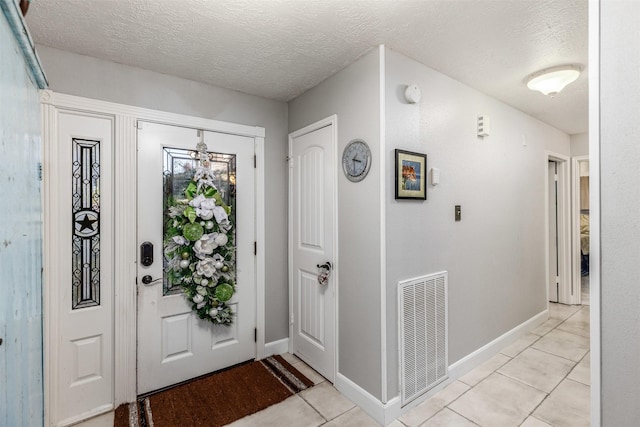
x=323, y=275
x=327, y=266
x=148, y=280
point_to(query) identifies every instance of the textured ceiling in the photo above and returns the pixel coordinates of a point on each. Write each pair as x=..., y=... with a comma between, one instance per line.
x=280, y=48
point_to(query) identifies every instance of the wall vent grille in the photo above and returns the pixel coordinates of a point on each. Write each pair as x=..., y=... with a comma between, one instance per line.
x=423, y=337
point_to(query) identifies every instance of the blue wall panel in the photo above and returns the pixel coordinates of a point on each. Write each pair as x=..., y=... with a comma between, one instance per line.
x=21, y=391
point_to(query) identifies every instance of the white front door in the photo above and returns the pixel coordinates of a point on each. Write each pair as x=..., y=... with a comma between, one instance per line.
x=174, y=345
x=312, y=228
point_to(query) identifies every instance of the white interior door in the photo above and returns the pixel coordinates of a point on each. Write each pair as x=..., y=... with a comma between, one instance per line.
x=174, y=345
x=312, y=225
x=554, y=275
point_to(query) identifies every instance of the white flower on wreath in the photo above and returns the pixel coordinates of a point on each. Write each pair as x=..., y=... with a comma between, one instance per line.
x=175, y=211
x=205, y=214
x=203, y=174
x=204, y=177
x=174, y=263
x=180, y=240
x=225, y=225
x=205, y=245
x=208, y=204
x=206, y=267
x=196, y=201
x=220, y=214
x=204, y=206
x=221, y=239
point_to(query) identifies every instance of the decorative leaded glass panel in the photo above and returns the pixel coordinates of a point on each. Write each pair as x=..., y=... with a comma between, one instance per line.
x=179, y=166
x=85, y=184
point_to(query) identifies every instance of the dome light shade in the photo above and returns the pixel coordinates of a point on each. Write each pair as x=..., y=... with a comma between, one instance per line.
x=550, y=81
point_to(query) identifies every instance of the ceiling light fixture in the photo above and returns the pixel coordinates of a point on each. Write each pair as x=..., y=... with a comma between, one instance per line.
x=550, y=81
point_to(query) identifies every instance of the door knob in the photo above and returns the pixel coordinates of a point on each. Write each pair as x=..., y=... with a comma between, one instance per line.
x=324, y=272
x=147, y=280
x=326, y=266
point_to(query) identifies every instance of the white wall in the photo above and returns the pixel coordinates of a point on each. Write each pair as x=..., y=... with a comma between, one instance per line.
x=619, y=208
x=353, y=94
x=580, y=144
x=495, y=256
x=89, y=77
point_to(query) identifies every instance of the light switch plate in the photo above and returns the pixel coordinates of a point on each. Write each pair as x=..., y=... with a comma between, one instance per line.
x=435, y=176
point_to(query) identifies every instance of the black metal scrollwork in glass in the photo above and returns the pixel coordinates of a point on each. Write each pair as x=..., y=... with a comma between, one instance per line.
x=85, y=248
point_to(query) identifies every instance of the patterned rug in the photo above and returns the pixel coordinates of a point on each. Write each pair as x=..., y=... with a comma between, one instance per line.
x=217, y=399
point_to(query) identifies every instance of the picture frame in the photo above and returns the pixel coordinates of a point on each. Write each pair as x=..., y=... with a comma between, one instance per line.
x=411, y=175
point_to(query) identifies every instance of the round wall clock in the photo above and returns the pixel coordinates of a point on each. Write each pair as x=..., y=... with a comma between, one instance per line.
x=356, y=160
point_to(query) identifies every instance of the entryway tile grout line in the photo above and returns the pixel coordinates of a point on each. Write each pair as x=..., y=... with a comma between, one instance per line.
x=547, y=394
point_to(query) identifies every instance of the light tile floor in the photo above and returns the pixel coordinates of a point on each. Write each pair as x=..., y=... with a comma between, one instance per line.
x=540, y=380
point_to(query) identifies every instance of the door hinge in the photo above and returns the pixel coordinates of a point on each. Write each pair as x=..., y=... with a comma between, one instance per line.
x=39, y=171
x=255, y=161
x=255, y=334
x=255, y=248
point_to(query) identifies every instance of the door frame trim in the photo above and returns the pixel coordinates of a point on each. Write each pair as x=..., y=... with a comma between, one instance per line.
x=329, y=121
x=575, y=227
x=564, y=225
x=125, y=238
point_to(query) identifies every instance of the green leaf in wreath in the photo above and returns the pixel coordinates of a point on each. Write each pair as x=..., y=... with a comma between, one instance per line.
x=210, y=192
x=193, y=232
x=190, y=213
x=224, y=292
x=191, y=190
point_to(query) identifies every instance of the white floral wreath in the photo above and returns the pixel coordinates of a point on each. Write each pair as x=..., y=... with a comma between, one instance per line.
x=199, y=246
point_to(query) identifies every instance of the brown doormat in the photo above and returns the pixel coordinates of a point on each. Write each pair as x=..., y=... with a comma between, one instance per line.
x=217, y=399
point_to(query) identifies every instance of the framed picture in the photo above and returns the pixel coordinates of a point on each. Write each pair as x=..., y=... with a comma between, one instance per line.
x=411, y=175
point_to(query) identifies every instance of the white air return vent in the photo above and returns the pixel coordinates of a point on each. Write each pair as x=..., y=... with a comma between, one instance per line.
x=423, y=334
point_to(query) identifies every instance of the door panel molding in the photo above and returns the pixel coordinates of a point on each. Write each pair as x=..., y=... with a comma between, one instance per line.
x=124, y=182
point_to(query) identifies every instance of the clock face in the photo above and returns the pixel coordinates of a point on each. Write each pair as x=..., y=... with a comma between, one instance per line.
x=356, y=160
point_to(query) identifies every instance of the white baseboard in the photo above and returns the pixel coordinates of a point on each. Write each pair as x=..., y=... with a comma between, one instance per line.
x=486, y=352
x=367, y=402
x=276, y=347
x=386, y=413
